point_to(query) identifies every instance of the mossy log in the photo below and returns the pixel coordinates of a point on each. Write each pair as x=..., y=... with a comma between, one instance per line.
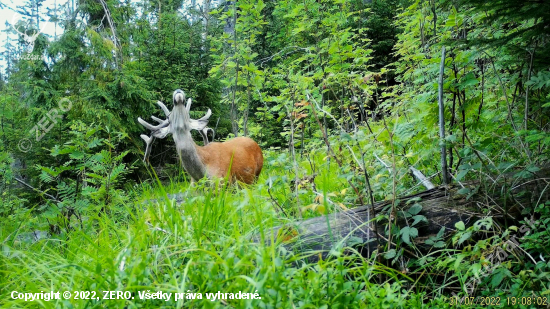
x=503, y=198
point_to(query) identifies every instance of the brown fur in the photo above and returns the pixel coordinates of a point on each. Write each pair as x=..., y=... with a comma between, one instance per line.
x=242, y=153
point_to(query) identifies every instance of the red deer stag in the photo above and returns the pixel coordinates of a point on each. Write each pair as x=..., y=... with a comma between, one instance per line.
x=213, y=160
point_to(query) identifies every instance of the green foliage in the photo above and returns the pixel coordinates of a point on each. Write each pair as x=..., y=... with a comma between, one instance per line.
x=379, y=28
x=349, y=88
x=539, y=235
x=479, y=94
x=10, y=203
x=519, y=26
x=111, y=75
x=310, y=46
x=90, y=180
x=200, y=244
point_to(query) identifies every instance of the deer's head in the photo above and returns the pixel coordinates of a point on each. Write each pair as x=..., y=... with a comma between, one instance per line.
x=180, y=119
x=177, y=122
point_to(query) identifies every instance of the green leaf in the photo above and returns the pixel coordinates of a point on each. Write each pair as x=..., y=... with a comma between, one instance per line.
x=439, y=244
x=419, y=218
x=464, y=191
x=407, y=233
x=415, y=209
x=77, y=155
x=390, y=254
x=450, y=138
x=498, y=275
x=464, y=237
x=441, y=232
x=461, y=175
x=476, y=269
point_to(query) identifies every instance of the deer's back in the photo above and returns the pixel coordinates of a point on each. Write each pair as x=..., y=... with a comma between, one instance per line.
x=242, y=154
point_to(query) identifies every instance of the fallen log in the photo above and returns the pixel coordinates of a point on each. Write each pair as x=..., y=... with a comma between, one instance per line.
x=443, y=207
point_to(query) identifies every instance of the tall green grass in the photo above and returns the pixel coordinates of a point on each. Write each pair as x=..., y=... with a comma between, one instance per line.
x=217, y=239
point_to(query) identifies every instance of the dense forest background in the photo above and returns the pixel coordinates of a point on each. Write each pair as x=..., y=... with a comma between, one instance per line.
x=342, y=96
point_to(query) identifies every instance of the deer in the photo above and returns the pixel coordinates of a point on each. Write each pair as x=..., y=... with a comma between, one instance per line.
x=239, y=158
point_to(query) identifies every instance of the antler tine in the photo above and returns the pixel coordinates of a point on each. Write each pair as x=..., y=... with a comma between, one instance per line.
x=164, y=108
x=146, y=138
x=151, y=127
x=148, y=141
x=213, y=133
x=207, y=116
x=14, y=20
x=159, y=131
x=157, y=119
x=204, y=133
x=188, y=105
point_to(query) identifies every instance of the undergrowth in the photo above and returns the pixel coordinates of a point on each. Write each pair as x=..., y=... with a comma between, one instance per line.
x=216, y=238
x=210, y=237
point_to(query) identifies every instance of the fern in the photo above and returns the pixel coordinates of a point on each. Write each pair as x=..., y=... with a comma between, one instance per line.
x=89, y=175
x=45, y=177
x=66, y=192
